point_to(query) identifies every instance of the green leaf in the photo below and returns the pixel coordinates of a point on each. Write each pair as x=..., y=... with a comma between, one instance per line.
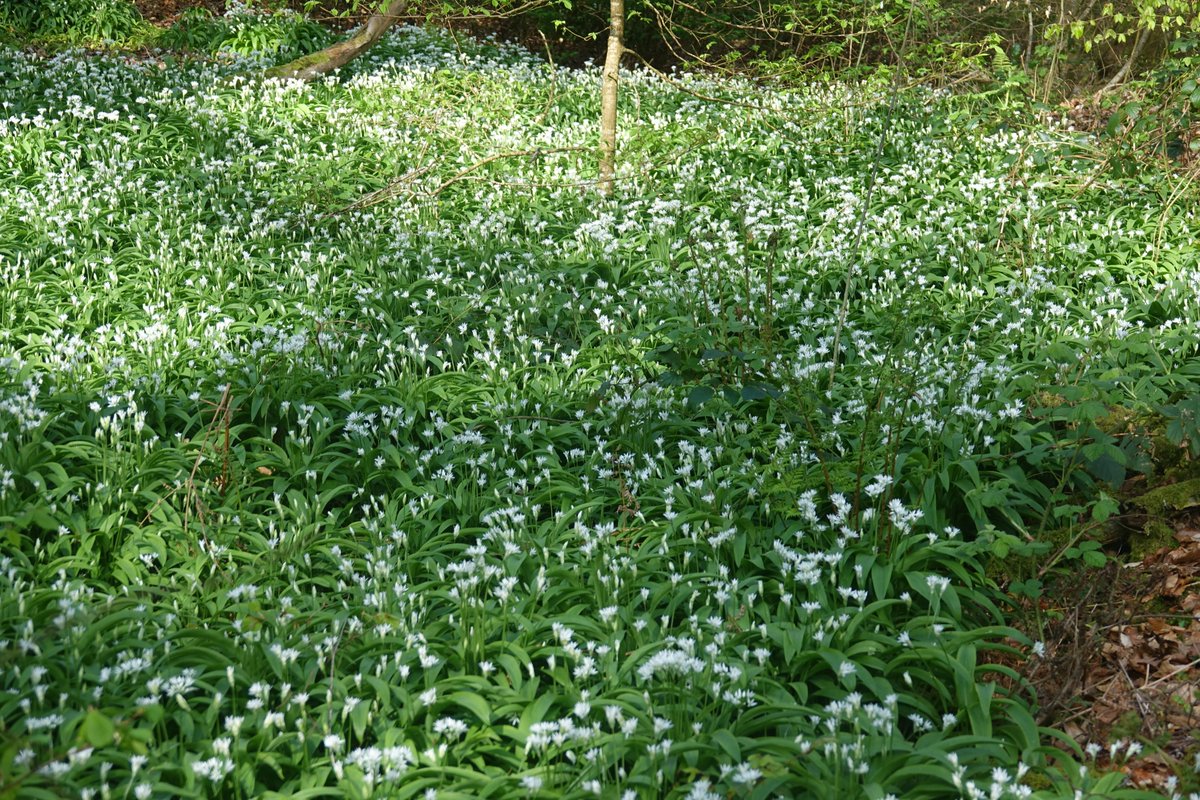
x=1108, y=469
x=359, y=717
x=699, y=396
x=1031, y=588
x=728, y=743
x=1105, y=507
x=1000, y=547
x=473, y=703
x=97, y=729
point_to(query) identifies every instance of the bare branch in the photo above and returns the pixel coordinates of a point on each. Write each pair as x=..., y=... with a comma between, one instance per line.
x=397, y=186
x=681, y=88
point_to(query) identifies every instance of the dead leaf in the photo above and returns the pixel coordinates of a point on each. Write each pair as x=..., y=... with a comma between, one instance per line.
x=1158, y=626
x=1185, y=555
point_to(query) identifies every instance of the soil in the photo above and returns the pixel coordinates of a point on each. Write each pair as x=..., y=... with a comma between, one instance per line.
x=1122, y=661
x=165, y=12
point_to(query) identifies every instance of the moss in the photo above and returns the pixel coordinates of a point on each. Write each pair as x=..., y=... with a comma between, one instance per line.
x=1119, y=420
x=1156, y=535
x=292, y=67
x=1159, y=605
x=1185, y=469
x=1167, y=499
x=1038, y=781
x=1160, y=505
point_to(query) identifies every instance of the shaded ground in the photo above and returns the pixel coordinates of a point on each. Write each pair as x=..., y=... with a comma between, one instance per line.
x=1122, y=660
x=165, y=12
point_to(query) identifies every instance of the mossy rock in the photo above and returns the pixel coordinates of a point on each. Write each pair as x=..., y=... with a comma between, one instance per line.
x=1166, y=500
x=1037, y=781
x=1160, y=505
x=1156, y=534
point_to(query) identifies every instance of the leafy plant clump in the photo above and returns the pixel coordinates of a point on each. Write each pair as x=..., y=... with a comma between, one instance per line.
x=244, y=31
x=351, y=446
x=70, y=22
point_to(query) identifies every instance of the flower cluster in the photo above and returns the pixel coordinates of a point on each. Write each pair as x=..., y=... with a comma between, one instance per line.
x=498, y=488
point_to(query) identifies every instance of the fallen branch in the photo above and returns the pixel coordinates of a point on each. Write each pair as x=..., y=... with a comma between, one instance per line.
x=536, y=152
x=1127, y=67
x=314, y=65
x=1172, y=673
x=396, y=186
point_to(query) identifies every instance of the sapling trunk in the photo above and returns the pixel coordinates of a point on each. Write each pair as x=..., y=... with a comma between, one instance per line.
x=608, y=95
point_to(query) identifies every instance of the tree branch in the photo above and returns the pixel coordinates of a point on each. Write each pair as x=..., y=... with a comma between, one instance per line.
x=337, y=55
x=396, y=186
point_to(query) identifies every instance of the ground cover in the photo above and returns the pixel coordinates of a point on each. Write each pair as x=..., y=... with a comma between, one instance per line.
x=350, y=445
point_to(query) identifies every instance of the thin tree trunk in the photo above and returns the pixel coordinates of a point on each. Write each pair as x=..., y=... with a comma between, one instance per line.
x=338, y=55
x=608, y=95
x=1127, y=67
x=1027, y=56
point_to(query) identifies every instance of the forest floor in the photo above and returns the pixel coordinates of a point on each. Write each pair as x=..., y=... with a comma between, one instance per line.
x=1123, y=657
x=352, y=444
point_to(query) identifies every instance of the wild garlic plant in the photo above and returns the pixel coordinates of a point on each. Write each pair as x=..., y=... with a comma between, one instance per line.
x=493, y=488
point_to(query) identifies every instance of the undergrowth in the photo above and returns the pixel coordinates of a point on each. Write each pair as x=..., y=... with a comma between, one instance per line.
x=351, y=445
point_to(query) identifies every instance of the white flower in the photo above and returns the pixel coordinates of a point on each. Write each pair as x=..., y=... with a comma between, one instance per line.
x=214, y=769
x=702, y=790
x=937, y=583
x=670, y=662
x=878, y=486
x=744, y=773
x=450, y=727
